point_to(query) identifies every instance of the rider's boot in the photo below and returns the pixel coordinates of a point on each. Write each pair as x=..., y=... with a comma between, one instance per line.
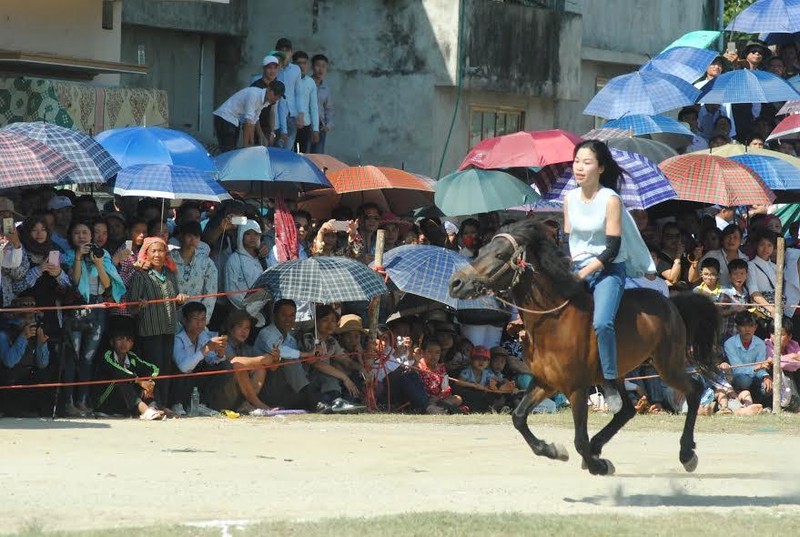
x=612, y=396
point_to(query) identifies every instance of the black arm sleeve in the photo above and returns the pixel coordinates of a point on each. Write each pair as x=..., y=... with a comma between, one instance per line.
x=612, y=249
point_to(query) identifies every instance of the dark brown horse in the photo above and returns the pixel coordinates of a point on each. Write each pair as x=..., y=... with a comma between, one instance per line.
x=556, y=309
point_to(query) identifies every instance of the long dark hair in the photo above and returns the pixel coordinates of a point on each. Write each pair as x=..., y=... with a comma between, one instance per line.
x=612, y=173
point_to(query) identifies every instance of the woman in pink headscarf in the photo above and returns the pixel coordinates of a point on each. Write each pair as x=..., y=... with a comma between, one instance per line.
x=156, y=323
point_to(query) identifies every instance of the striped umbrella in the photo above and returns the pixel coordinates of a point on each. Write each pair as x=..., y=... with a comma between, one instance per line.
x=28, y=162
x=641, y=93
x=788, y=128
x=642, y=186
x=776, y=173
x=168, y=182
x=747, y=86
x=687, y=63
x=640, y=124
x=715, y=180
x=94, y=164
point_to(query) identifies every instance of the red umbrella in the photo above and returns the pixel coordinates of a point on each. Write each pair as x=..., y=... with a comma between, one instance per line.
x=715, y=180
x=789, y=107
x=523, y=149
x=788, y=128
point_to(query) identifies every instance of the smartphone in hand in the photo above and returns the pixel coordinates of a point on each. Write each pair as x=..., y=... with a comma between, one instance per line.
x=54, y=258
x=8, y=226
x=238, y=220
x=340, y=225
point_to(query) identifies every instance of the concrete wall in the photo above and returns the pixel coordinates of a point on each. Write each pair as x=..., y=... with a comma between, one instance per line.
x=200, y=17
x=64, y=27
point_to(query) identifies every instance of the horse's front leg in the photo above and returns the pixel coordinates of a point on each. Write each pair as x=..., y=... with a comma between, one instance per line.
x=619, y=420
x=580, y=416
x=520, y=415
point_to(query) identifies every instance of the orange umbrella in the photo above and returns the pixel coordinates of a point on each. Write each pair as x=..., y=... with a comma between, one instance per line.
x=359, y=178
x=326, y=163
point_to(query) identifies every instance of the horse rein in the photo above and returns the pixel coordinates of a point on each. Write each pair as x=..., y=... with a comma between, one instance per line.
x=518, y=264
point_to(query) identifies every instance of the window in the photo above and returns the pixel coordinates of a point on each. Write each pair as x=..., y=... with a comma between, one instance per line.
x=486, y=122
x=599, y=83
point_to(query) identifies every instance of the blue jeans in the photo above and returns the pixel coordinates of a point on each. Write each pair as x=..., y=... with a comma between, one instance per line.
x=291, y=126
x=319, y=147
x=607, y=286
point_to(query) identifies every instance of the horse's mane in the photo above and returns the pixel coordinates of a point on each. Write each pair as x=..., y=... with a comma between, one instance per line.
x=550, y=260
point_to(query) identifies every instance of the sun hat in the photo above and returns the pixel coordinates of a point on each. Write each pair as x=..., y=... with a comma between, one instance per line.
x=350, y=323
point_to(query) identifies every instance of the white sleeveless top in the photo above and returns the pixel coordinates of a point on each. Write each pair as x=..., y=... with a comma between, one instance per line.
x=587, y=220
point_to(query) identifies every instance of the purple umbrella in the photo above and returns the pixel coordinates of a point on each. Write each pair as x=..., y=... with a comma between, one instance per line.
x=643, y=184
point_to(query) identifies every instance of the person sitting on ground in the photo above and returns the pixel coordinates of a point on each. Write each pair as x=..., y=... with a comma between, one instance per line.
x=743, y=350
x=196, y=349
x=24, y=359
x=134, y=398
x=790, y=364
x=395, y=372
x=251, y=380
x=762, y=272
x=452, y=357
x=709, y=272
x=473, y=383
x=497, y=367
x=288, y=385
x=434, y=377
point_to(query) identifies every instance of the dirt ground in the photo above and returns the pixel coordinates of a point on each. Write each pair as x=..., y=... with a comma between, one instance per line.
x=118, y=473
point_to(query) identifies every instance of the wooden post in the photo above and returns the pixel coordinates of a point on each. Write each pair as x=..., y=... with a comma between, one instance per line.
x=778, y=321
x=374, y=311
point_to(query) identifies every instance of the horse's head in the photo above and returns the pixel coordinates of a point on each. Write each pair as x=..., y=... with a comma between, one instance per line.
x=499, y=263
x=523, y=247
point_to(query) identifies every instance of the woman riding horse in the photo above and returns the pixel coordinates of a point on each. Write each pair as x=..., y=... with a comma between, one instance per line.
x=555, y=306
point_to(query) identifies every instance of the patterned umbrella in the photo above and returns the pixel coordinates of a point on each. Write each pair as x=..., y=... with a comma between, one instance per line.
x=732, y=150
x=687, y=63
x=640, y=124
x=650, y=149
x=323, y=280
x=773, y=16
x=788, y=128
x=696, y=39
x=605, y=133
x=358, y=178
x=776, y=173
x=28, y=162
x=95, y=164
x=522, y=149
x=155, y=145
x=426, y=271
x=168, y=182
x=646, y=93
x=716, y=180
x=790, y=107
x=643, y=184
x=747, y=86
x=481, y=191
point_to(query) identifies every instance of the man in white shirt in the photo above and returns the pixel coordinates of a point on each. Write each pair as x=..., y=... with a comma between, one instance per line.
x=724, y=217
x=319, y=65
x=243, y=107
x=307, y=105
x=289, y=74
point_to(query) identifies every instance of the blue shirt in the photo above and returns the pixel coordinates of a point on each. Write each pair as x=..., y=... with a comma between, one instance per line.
x=738, y=355
x=468, y=375
x=270, y=337
x=188, y=355
x=12, y=353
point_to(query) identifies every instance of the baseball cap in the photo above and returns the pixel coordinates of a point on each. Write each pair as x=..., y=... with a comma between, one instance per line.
x=59, y=202
x=270, y=59
x=479, y=351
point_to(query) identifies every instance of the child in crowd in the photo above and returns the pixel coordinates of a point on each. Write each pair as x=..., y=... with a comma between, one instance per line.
x=741, y=351
x=709, y=271
x=497, y=364
x=434, y=376
x=790, y=364
x=737, y=293
x=473, y=385
x=129, y=398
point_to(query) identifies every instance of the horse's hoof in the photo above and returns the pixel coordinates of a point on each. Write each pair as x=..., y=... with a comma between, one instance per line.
x=691, y=465
x=560, y=452
x=611, y=470
x=583, y=465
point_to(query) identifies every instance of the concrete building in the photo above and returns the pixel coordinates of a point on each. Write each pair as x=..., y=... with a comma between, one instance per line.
x=410, y=77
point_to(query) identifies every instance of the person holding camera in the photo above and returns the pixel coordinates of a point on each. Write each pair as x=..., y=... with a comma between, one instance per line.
x=96, y=280
x=24, y=359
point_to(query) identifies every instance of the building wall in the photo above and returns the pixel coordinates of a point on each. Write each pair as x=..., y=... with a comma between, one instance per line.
x=64, y=27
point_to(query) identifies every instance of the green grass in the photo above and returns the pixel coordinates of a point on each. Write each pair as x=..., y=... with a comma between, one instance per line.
x=784, y=423
x=445, y=524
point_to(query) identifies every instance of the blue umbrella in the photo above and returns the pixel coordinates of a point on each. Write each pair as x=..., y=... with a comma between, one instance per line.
x=426, y=271
x=643, y=184
x=747, y=86
x=155, y=145
x=696, y=39
x=794, y=82
x=779, y=39
x=259, y=168
x=645, y=93
x=770, y=16
x=777, y=173
x=168, y=182
x=641, y=124
x=687, y=63
x=94, y=164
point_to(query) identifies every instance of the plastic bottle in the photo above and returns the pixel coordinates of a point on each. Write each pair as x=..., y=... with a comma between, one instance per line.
x=194, y=403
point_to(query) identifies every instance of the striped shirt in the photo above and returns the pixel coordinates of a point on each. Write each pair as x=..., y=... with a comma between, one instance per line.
x=154, y=319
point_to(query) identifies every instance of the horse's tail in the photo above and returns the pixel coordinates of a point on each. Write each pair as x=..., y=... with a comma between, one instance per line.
x=703, y=323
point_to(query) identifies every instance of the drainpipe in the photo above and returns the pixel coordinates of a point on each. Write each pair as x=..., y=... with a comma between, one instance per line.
x=200, y=84
x=459, y=83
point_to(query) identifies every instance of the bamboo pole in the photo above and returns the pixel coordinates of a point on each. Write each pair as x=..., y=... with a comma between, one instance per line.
x=375, y=306
x=778, y=321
